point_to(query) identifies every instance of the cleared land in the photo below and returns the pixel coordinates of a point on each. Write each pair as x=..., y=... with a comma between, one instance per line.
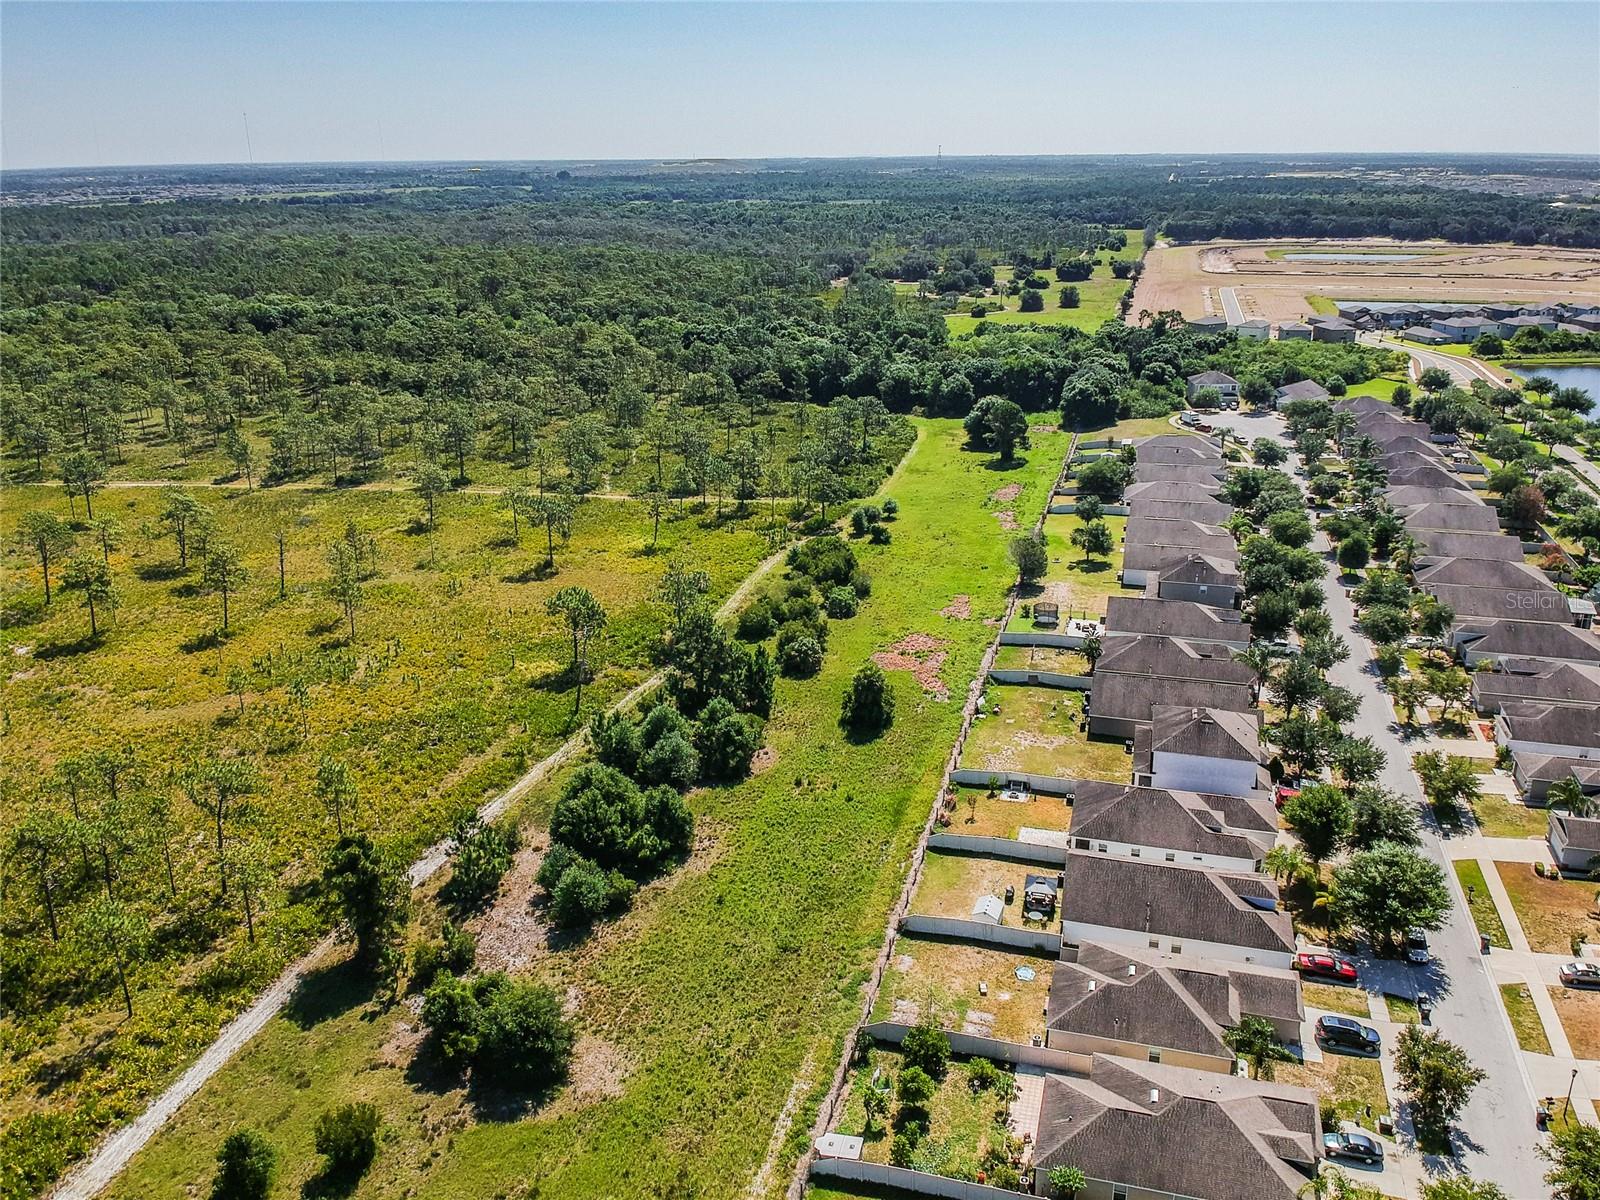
x=1276, y=289
x=952, y=883
x=1580, y=1017
x=1098, y=296
x=728, y=982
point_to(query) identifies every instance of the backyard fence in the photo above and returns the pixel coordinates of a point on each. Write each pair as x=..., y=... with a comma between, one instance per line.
x=1110, y=510
x=1038, y=853
x=922, y=1183
x=1055, y=679
x=1049, y=785
x=1059, y=641
x=1002, y=937
x=970, y=1045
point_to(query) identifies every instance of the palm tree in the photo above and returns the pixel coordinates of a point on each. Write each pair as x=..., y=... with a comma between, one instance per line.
x=1289, y=865
x=1256, y=1041
x=1565, y=793
x=1259, y=659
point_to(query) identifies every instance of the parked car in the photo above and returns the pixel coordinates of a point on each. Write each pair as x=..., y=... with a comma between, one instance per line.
x=1352, y=1145
x=1417, y=947
x=1325, y=966
x=1353, y=1035
x=1581, y=974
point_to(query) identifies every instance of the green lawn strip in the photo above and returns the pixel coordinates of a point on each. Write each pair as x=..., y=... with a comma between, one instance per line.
x=1322, y=305
x=1352, y=1002
x=1503, y=818
x=1350, y=1085
x=1484, y=914
x=1524, y=1018
x=1403, y=1009
x=701, y=1006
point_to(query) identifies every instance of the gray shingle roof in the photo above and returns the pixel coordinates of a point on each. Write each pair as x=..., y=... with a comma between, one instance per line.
x=1174, y=900
x=1174, y=618
x=1306, y=389
x=1530, y=639
x=1534, y=679
x=1139, y=697
x=1403, y=495
x=1438, y=543
x=1173, y=1001
x=1480, y=573
x=1153, y=656
x=1425, y=476
x=1193, y=442
x=1512, y=604
x=1175, y=473
x=1177, y=1131
x=1458, y=518
x=1178, y=728
x=1202, y=569
x=1552, y=724
x=1161, y=489
x=1180, y=821
x=1583, y=833
x=1211, y=379
x=1200, y=508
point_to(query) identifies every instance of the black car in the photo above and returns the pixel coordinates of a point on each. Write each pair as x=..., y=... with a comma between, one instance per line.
x=1353, y=1035
x=1352, y=1145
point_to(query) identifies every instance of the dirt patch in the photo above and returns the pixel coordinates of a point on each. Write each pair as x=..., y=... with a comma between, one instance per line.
x=511, y=935
x=1008, y=520
x=1006, y=494
x=407, y=1035
x=959, y=608
x=922, y=655
x=763, y=760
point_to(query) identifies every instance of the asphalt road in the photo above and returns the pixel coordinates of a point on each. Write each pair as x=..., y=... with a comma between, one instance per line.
x=1230, y=306
x=1496, y=1136
x=1463, y=370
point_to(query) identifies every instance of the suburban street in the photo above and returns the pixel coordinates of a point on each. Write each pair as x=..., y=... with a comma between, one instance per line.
x=1462, y=369
x=1496, y=1136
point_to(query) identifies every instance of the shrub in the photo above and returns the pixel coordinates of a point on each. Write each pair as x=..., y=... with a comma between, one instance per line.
x=455, y=952
x=1032, y=301
x=868, y=705
x=757, y=621
x=915, y=1087
x=671, y=760
x=891, y=507
x=523, y=1036
x=861, y=584
x=726, y=740
x=878, y=534
x=605, y=817
x=840, y=603
x=246, y=1164
x=1031, y=557
x=450, y=1012
x=347, y=1137
x=903, y=1149
x=799, y=656
x=926, y=1046
x=864, y=518
x=481, y=857
x=827, y=559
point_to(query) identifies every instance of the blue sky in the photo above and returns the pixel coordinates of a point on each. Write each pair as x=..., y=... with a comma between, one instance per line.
x=91, y=84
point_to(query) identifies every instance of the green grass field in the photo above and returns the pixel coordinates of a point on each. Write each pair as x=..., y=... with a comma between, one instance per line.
x=1480, y=903
x=1098, y=297
x=730, y=983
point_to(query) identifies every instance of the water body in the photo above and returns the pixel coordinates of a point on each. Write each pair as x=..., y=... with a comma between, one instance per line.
x=1587, y=378
x=1309, y=257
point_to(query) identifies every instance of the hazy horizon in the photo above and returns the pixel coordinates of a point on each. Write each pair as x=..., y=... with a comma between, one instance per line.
x=163, y=84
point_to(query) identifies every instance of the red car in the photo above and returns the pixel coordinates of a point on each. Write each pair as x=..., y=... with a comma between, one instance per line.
x=1325, y=966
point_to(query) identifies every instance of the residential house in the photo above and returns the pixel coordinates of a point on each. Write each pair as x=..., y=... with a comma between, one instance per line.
x=1200, y=578
x=1193, y=443
x=1575, y=842
x=1532, y=604
x=1227, y=386
x=1138, y=822
x=1433, y=544
x=1233, y=916
x=1294, y=331
x=1425, y=336
x=1515, y=325
x=1182, y=456
x=1140, y=1004
x=1477, y=573
x=1485, y=638
x=1565, y=730
x=1535, y=774
x=1254, y=328
x=1305, y=389
x=1169, y=490
x=1427, y=476
x=1195, y=749
x=1119, y=705
x=1469, y=516
x=1135, y=615
x=1199, y=508
x=1195, y=476
x=1333, y=330
x=1458, y=491
x=1142, y=1131
x=1207, y=324
x=1521, y=680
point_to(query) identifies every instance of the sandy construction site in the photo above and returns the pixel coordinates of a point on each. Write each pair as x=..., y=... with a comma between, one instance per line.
x=1269, y=279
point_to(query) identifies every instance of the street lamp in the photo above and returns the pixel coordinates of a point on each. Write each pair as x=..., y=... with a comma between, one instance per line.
x=1567, y=1115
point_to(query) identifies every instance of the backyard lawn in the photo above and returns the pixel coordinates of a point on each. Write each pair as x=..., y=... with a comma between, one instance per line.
x=964, y=1123
x=979, y=814
x=1077, y=584
x=1352, y=1084
x=1054, y=659
x=1525, y=1017
x=1330, y=997
x=947, y=975
x=727, y=989
x=1484, y=914
x=1580, y=1017
x=1551, y=911
x=952, y=883
x=1036, y=729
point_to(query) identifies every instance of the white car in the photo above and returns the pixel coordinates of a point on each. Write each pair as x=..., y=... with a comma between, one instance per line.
x=1581, y=974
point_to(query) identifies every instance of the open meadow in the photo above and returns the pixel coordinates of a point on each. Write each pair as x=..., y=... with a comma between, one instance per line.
x=1098, y=296
x=724, y=992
